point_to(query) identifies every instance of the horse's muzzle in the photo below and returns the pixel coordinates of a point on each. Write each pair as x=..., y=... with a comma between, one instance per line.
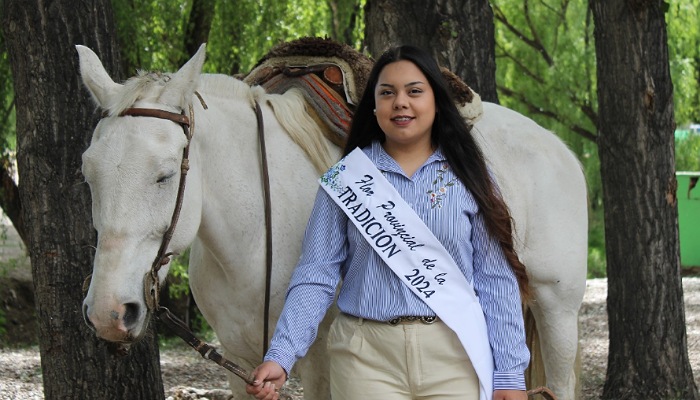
x=126, y=323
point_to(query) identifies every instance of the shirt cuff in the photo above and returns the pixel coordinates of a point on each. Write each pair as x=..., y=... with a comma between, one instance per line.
x=284, y=360
x=508, y=380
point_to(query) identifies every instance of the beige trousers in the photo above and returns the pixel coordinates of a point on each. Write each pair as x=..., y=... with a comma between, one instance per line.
x=375, y=360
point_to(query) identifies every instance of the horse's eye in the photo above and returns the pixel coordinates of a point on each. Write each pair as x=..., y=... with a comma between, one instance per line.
x=165, y=178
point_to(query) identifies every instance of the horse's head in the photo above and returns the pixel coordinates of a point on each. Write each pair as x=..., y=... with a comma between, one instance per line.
x=133, y=167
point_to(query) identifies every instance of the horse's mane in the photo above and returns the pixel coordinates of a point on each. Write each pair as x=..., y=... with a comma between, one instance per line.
x=145, y=85
x=290, y=111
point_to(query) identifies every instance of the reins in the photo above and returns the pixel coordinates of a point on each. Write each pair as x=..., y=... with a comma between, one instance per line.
x=268, y=226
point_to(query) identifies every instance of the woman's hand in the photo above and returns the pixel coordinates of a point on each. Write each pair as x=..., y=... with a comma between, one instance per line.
x=509, y=395
x=268, y=378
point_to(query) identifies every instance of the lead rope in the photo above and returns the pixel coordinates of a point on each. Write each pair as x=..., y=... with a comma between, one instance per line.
x=268, y=227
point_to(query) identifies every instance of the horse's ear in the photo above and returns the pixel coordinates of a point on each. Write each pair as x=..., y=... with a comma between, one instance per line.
x=95, y=77
x=185, y=81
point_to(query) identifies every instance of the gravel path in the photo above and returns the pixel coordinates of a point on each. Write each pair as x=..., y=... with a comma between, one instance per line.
x=20, y=374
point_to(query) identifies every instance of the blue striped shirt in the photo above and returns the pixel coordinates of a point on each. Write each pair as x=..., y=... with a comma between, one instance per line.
x=334, y=250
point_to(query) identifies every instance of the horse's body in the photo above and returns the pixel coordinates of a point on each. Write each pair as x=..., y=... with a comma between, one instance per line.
x=132, y=166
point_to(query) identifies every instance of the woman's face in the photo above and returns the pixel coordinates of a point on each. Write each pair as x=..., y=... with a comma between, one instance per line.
x=405, y=105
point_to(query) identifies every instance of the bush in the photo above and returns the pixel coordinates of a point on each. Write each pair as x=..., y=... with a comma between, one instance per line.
x=179, y=291
x=688, y=153
x=597, y=265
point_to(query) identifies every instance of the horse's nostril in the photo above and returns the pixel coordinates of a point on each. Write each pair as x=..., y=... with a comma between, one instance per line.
x=86, y=318
x=131, y=314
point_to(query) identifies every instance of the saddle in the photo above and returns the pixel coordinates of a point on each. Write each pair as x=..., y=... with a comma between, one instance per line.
x=332, y=77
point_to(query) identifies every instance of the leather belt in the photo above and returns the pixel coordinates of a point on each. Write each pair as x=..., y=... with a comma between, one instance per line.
x=413, y=318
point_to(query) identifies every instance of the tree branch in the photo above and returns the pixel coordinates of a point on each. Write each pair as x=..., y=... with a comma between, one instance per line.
x=536, y=45
x=519, y=64
x=534, y=109
x=198, y=26
x=8, y=110
x=347, y=34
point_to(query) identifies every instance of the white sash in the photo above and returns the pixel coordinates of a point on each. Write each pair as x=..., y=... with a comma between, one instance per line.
x=415, y=255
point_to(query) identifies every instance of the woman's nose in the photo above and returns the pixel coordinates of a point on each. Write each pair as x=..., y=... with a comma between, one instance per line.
x=400, y=101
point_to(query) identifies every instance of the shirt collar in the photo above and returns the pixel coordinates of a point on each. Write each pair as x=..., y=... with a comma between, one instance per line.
x=384, y=162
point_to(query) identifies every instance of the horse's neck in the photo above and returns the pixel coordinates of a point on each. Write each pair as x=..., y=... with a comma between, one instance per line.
x=228, y=152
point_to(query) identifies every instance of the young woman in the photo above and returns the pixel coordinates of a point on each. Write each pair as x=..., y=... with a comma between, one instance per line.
x=397, y=338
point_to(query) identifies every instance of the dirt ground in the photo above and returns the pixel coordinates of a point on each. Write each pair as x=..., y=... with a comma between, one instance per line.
x=187, y=376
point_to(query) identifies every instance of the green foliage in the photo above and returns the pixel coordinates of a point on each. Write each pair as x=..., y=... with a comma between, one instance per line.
x=546, y=70
x=205, y=334
x=546, y=64
x=597, y=265
x=151, y=33
x=683, y=19
x=242, y=33
x=201, y=326
x=178, y=278
x=179, y=288
x=7, y=100
x=545, y=59
x=688, y=153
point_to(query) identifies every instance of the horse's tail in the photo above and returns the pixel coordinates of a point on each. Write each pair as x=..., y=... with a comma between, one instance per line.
x=535, y=376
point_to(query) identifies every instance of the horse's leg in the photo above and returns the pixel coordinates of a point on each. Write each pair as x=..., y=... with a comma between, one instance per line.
x=207, y=282
x=556, y=314
x=314, y=367
x=556, y=255
x=235, y=383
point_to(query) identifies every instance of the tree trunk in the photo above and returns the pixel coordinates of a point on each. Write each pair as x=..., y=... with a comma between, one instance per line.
x=459, y=34
x=648, y=353
x=198, y=26
x=55, y=118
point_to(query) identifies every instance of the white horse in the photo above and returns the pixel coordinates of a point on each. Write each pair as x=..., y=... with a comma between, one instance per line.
x=133, y=169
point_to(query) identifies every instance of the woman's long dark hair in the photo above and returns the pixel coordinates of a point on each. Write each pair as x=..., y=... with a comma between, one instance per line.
x=452, y=134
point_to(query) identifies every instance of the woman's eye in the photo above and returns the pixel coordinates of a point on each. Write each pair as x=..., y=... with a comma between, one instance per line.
x=415, y=91
x=385, y=92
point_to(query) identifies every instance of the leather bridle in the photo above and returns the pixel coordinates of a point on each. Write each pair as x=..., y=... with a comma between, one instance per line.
x=151, y=281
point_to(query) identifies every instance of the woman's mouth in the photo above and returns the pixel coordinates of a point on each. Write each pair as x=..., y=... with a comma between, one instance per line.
x=402, y=119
